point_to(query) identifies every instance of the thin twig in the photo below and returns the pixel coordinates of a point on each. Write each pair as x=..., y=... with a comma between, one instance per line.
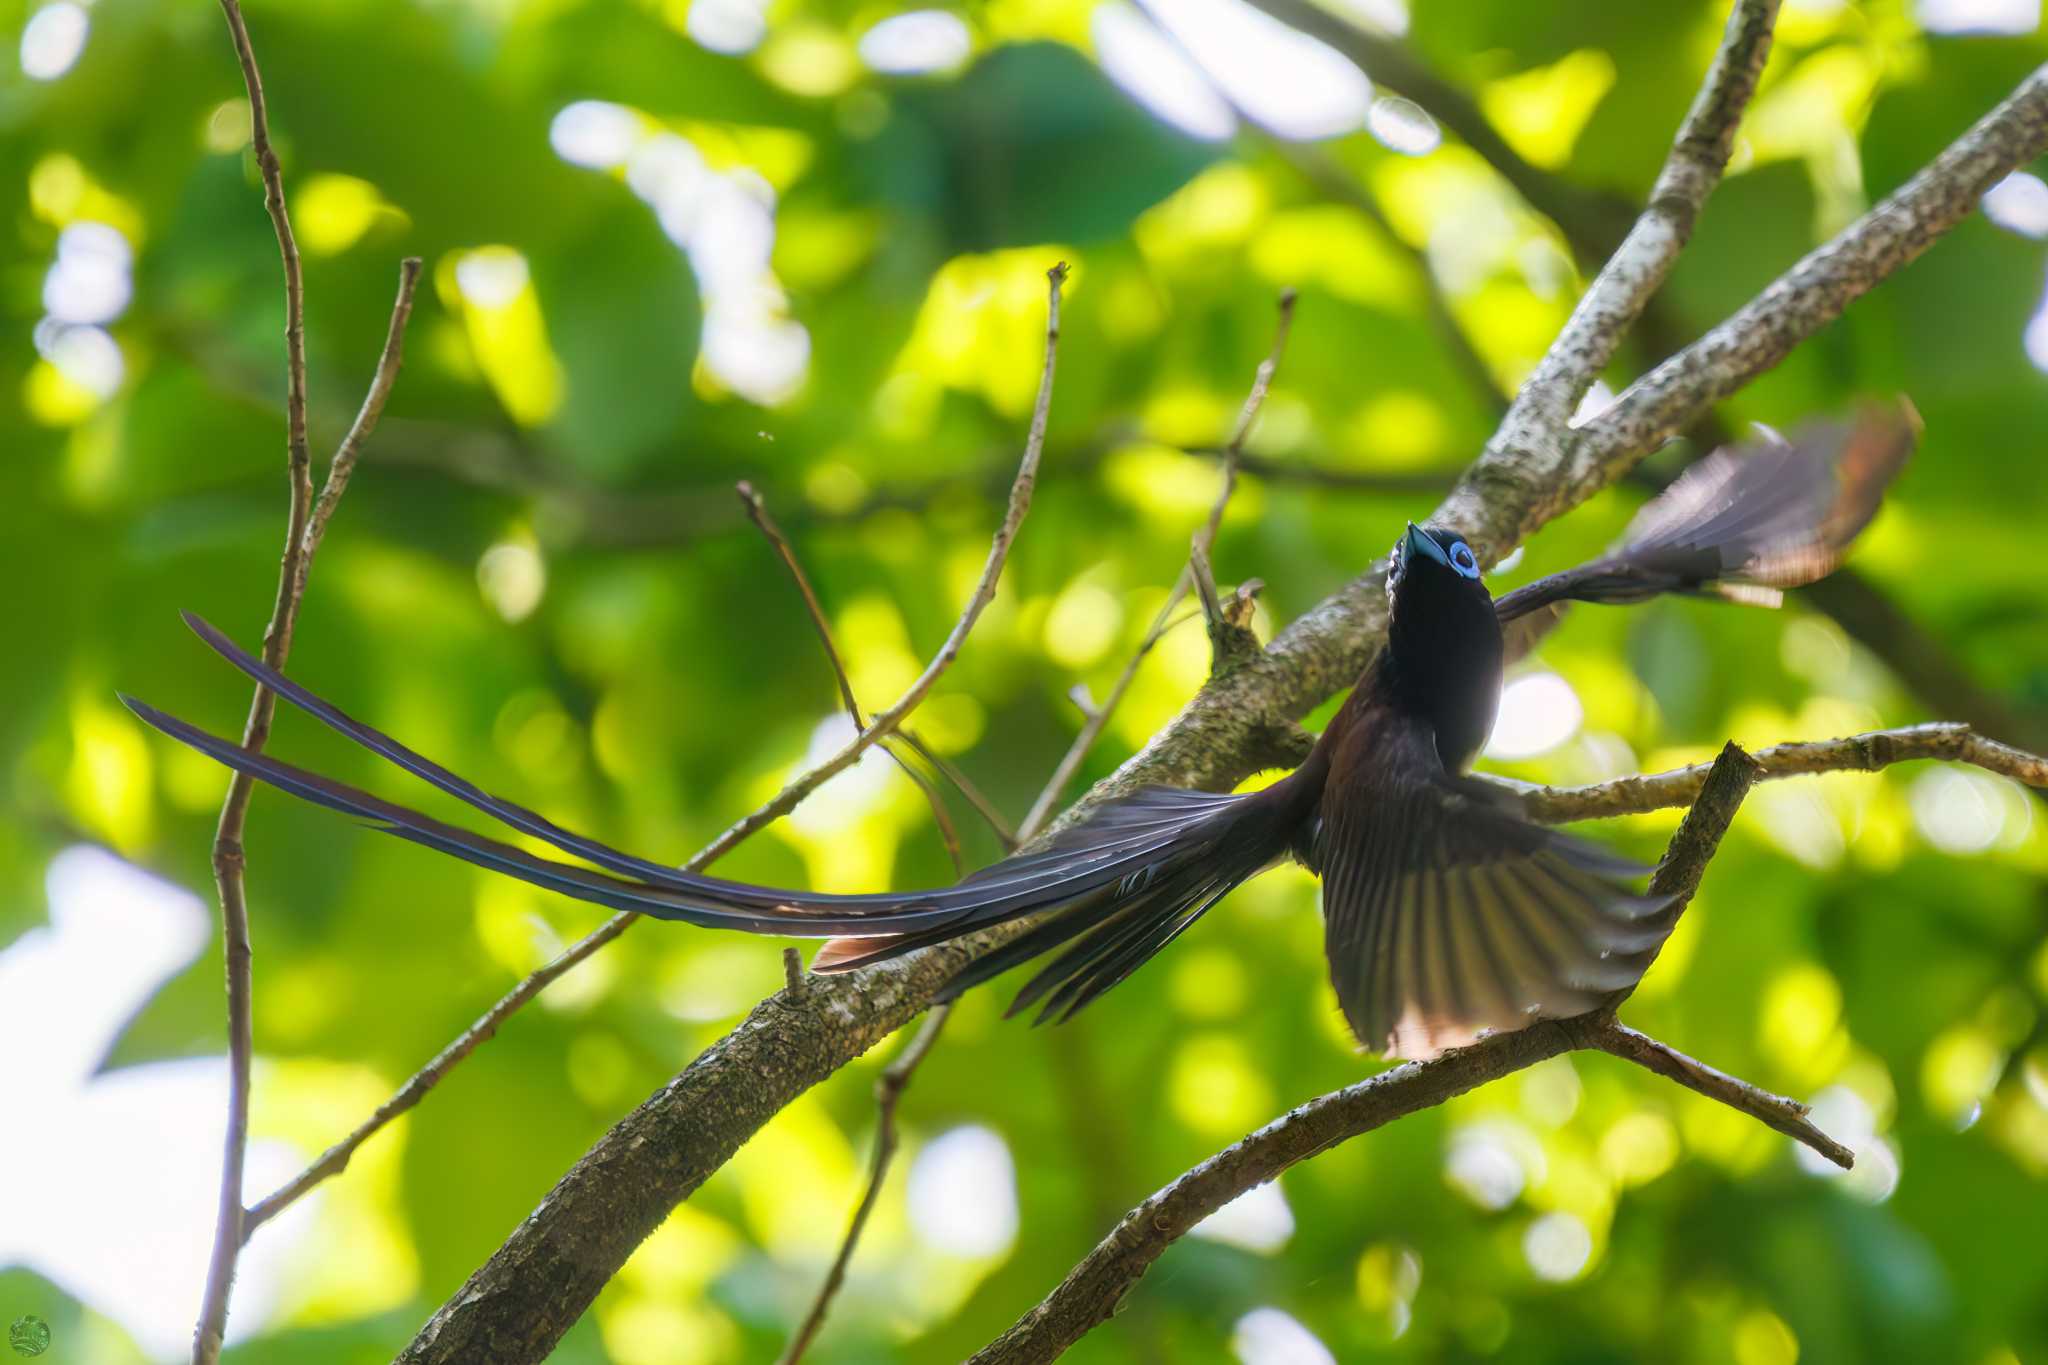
x=228, y=857
x=1816, y=290
x=336, y=1158
x=1787, y=1116
x=997, y=823
x=885, y=722
x=757, y=512
x=1097, y=717
x=303, y=529
x=1203, y=576
x=351, y=448
x=889, y=1088
x=1866, y=752
x=1540, y=415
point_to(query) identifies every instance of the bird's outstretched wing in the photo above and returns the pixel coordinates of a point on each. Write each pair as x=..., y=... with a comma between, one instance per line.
x=1123, y=884
x=1447, y=915
x=1748, y=522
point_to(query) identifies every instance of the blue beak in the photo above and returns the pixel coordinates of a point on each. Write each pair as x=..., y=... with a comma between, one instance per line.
x=1420, y=542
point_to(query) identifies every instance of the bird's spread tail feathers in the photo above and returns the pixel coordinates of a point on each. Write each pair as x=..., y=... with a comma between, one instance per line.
x=1118, y=888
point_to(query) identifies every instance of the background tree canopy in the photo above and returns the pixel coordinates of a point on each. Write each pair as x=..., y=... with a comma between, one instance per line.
x=673, y=245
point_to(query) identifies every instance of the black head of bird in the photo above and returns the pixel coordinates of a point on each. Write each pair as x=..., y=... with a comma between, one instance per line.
x=1443, y=654
x=1447, y=913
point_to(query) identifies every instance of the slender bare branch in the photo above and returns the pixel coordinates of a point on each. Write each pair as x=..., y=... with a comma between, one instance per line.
x=889, y=1088
x=757, y=511
x=336, y=1158
x=998, y=825
x=346, y=454
x=303, y=528
x=1543, y=409
x=1787, y=1116
x=1815, y=291
x=1096, y=717
x=1867, y=752
x=885, y=722
x=228, y=858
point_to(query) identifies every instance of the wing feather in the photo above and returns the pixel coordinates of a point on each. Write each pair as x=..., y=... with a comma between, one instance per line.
x=1448, y=916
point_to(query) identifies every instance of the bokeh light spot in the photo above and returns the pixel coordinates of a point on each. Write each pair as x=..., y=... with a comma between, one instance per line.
x=1268, y=1336
x=1257, y=1221
x=1557, y=1247
x=52, y=40
x=920, y=41
x=1538, y=712
x=963, y=1193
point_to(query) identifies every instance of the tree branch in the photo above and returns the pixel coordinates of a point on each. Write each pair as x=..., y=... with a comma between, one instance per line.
x=1853, y=602
x=1775, y=1111
x=1815, y=292
x=1639, y=265
x=757, y=511
x=1866, y=752
x=1194, y=573
x=534, y=1286
x=304, y=525
x=889, y=1088
x=1539, y=417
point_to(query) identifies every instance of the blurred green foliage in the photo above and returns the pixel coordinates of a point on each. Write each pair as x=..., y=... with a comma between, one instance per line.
x=541, y=576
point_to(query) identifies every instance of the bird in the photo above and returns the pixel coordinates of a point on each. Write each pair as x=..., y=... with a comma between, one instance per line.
x=1448, y=914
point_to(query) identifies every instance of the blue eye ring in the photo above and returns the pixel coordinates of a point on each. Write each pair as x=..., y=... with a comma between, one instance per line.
x=1463, y=560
